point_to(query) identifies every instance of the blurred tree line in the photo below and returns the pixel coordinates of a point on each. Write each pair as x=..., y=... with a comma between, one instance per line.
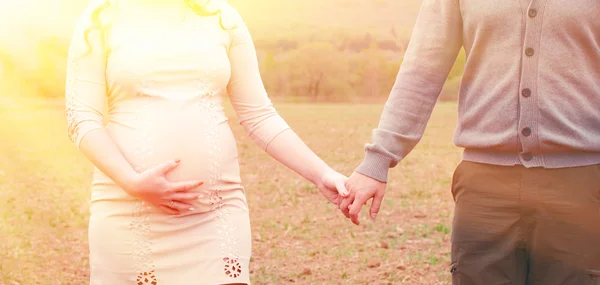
x=331, y=67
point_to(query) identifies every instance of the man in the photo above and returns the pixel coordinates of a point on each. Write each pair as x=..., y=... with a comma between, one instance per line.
x=527, y=192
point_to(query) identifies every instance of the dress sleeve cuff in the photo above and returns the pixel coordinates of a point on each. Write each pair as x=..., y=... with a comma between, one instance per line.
x=268, y=130
x=83, y=130
x=375, y=165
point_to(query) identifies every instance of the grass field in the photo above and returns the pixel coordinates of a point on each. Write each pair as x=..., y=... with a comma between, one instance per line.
x=297, y=236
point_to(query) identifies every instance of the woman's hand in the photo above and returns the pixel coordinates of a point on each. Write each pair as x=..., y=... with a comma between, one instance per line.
x=153, y=187
x=332, y=186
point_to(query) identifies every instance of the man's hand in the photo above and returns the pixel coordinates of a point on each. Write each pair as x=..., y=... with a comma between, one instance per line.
x=362, y=188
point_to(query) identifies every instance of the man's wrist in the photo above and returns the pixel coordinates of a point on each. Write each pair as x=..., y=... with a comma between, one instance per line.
x=375, y=165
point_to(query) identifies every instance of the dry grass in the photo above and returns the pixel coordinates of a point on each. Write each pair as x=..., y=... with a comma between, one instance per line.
x=297, y=236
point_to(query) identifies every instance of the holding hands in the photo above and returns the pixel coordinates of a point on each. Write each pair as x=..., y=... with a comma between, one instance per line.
x=361, y=189
x=333, y=186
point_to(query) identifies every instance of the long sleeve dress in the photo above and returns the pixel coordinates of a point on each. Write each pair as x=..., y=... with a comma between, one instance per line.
x=155, y=81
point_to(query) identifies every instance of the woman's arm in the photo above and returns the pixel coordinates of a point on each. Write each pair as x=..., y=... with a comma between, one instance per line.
x=85, y=100
x=291, y=151
x=261, y=121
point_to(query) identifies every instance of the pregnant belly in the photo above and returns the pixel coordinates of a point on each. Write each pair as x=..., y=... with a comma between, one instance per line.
x=199, y=137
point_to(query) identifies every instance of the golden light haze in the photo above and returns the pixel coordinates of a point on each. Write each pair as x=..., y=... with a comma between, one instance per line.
x=363, y=40
x=350, y=49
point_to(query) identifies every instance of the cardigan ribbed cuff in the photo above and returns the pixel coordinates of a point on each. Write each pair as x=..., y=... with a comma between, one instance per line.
x=375, y=165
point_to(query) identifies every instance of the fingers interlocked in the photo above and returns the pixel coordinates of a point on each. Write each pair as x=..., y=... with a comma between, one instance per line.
x=362, y=189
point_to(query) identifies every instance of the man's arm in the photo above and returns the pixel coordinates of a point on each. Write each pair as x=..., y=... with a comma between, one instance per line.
x=431, y=53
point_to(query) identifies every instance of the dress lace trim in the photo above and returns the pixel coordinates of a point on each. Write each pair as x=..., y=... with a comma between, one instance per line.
x=225, y=227
x=71, y=93
x=141, y=245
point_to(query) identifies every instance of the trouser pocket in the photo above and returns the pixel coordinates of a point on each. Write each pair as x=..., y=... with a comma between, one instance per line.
x=454, y=273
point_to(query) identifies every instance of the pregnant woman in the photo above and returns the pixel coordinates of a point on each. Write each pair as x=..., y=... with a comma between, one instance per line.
x=167, y=205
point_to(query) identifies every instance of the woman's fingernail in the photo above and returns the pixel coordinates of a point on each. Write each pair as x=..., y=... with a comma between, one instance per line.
x=373, y=216
x=177, y=160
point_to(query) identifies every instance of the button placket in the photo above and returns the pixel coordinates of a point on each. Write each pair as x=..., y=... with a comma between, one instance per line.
x=528, y=113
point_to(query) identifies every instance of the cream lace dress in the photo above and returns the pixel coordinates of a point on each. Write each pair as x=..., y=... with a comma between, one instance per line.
x=163, y=72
